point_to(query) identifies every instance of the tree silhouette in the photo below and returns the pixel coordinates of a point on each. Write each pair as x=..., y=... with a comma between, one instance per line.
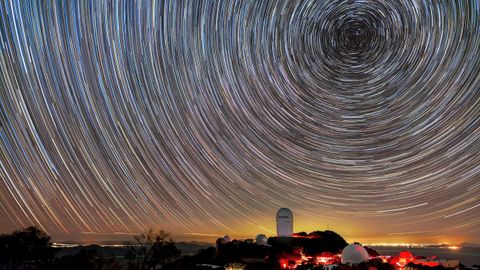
x=150, y=249
x=29, y=246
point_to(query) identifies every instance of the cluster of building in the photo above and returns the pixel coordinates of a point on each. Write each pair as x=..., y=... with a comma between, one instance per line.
x=356, y=254
x=352, y=254
x=406, y=258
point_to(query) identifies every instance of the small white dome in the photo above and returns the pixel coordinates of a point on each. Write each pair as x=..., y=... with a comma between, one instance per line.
x=261, y=239
x=354, y=254
x=226, y=238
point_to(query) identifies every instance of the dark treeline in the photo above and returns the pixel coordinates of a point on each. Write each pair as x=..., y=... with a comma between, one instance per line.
x=24, y=248
x=31, y=249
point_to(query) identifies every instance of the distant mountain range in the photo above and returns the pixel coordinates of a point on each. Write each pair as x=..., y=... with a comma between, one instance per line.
x=471, y=245
x=187, y=248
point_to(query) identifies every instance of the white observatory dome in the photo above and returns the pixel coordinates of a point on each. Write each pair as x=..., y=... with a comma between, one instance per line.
x=284, y=222
x=354, y=254
x=226, y=238
x=261, y=239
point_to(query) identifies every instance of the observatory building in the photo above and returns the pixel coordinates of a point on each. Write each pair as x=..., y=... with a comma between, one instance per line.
x=354, y=254
x=284, y=223
x=261, y=240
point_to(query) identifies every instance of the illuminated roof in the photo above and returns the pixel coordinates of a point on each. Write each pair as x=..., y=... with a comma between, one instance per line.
x=405, y=255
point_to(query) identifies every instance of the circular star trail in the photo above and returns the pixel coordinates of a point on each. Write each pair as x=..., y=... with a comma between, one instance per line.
x=205, y=117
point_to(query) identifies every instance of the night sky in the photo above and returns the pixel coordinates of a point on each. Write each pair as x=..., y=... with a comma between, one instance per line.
x=203, y=118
